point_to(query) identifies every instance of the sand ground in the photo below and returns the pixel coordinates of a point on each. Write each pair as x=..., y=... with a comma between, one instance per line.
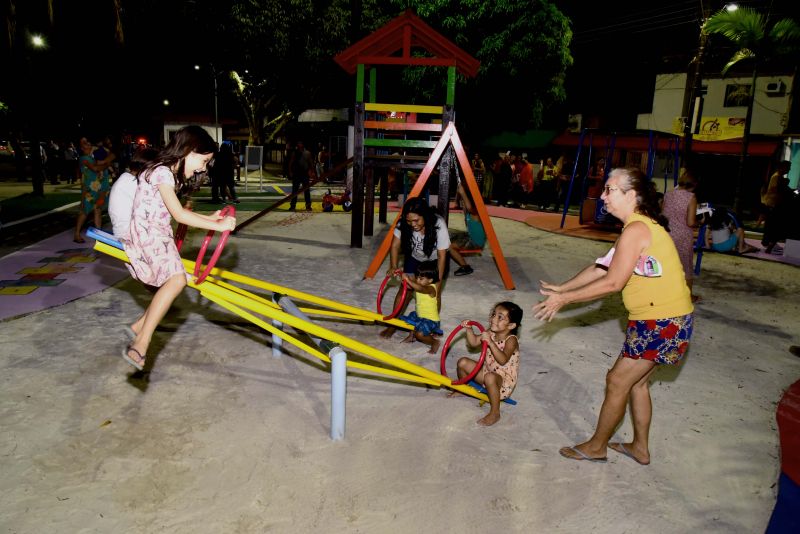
x=222, y=437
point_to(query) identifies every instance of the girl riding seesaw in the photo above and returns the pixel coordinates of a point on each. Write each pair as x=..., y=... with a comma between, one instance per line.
x=501, y=365
x=150, y=245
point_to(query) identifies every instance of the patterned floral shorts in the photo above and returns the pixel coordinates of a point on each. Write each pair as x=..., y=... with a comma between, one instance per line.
x=662, y=341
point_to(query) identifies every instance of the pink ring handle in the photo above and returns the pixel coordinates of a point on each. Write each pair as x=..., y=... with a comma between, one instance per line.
x=399, y=306
x=200, y=277
x=446, y=347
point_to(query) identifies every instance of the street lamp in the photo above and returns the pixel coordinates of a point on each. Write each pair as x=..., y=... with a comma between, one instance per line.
x=37, y=41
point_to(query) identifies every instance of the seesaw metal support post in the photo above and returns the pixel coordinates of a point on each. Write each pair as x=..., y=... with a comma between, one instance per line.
x=338, y=368
x=277, y=341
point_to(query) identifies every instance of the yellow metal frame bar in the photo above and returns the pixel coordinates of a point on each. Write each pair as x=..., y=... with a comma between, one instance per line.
x=240, y=301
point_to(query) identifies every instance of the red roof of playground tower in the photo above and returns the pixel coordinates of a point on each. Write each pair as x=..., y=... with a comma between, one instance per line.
x=392, y=44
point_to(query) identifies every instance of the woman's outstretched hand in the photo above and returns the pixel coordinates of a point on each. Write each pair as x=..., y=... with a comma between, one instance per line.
x=549, y=287
x=547, y=309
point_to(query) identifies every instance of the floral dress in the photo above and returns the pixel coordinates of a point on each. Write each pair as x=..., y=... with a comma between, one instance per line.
x=151, y=246
x=676, y=204
x=508, y=371
x=95, y=186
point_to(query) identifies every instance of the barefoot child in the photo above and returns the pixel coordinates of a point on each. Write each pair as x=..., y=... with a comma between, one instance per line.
x=150, y=245
x=499, y=372
x=426, y=317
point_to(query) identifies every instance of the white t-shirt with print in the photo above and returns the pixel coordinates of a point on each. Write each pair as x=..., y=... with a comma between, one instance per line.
x=417, y=238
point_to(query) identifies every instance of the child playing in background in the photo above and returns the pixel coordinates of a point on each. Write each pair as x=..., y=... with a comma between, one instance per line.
x=426, y=316
x=499, y=372
x=120, y=202
x=150, y=245
x=723, y=236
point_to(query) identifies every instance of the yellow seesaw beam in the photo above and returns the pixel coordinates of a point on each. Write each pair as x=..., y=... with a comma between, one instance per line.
x=310, y=348
x=309, y=311
x=310, y=328
x=334, y=337
x=365, y=315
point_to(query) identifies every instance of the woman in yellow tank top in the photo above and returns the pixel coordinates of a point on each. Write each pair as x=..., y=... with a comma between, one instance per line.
x=645, y=266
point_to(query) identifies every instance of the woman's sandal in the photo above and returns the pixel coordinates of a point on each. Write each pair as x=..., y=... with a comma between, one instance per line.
x=130, y=360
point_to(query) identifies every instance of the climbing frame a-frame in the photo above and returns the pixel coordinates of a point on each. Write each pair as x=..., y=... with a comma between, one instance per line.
x=449, y=138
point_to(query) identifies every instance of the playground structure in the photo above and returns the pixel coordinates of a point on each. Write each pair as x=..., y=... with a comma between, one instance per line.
x=450, y=142
x=396, y=136
x=279, y=309
x=592, y=210
x=392, y=135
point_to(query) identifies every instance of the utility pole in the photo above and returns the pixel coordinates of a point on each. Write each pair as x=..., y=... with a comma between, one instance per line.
x=693, y=99
x=217, y=128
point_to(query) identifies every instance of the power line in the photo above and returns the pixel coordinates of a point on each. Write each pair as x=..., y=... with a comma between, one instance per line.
x=646, y=19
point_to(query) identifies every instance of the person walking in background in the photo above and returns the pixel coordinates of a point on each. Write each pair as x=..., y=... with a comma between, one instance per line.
x=322, y=160
x=680, y=209
x=94, y=189
x=301, y=166
x=547, y=184
x=222, y=171
x=525, y=182
x=54, y=161
x=778, y=202
x=645, y=266
x=71, y=163
x=478, y=171
x=502, y=180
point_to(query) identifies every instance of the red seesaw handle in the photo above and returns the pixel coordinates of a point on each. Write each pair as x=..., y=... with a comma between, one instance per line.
x=446, y=347
x=382, y=289
x=200, y=277
x=180, y=234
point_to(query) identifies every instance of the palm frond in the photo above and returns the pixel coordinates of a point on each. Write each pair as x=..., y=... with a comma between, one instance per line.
x=118, y=34
x=785, y=32
x=745, y=27
x=740, y=55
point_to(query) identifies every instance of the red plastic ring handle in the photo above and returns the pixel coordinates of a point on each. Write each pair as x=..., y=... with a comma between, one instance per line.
x=399, y=306
x=180, y=235
x=446, y=347
x=200, y=277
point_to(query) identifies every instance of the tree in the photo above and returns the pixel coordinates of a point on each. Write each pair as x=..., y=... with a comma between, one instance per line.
x=288, y=49
x=758, y=41
x=523, y=47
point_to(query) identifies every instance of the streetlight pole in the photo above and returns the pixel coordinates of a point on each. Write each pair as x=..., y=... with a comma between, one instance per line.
x=217, y=129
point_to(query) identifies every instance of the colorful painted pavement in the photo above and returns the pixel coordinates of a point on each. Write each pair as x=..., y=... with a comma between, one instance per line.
x=52, y=272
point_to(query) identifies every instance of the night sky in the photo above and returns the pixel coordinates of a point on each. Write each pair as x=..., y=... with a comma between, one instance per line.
x=85, y=81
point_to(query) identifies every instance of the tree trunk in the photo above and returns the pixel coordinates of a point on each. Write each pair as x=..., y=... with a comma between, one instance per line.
x=737, y=199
